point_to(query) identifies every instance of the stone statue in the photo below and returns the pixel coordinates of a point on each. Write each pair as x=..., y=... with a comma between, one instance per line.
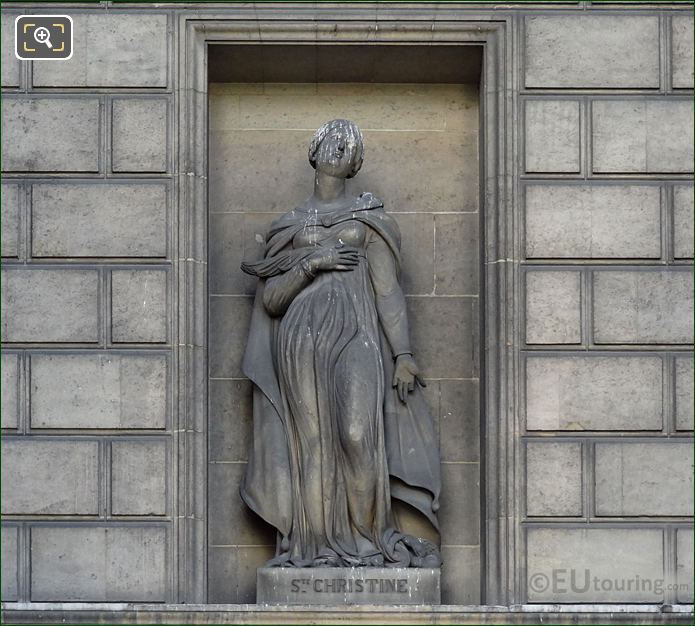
x=340, y=422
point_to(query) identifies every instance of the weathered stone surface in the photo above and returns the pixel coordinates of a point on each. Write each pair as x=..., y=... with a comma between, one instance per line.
x=593, y=393
x=556, y=556
x=9, y=409
x=112, y=220
x=456, y=404
x=138, y=477
x=231, y=521
x=232, y=572
x=50, y=477
x=553, y=479
x=592, y=51
x=642, y=136
x=459, y=514
x=409, y=171
x=684, y=393
x=461, y=575
x=230, y=317
x=99, y=564
x=348, y=585
x=553, y=307
x=10, y=65
x=683, y=227
x=593, y=221
x=104, y=390
x=230, y=419
x=9, y=204
x=68, y=298
x=8, y=558
x=643, y=307
x=684, y=564
x=441, y=335
x=139, y=306
x=682, y=51
x=417, y=252
x=644, y=478
x=139, y=135
x=456, y=254
x=552, y=136
x=50, y=135
x=137, y=53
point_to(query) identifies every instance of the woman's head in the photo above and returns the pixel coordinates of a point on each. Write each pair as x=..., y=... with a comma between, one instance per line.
x=337, y=149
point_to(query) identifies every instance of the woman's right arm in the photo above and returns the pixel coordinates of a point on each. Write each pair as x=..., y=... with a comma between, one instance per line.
x=280, y=290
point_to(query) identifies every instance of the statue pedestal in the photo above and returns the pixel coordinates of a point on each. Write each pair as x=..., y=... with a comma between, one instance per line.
x=347, y=585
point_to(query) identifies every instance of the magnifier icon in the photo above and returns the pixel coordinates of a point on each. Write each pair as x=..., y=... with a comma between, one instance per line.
x=43, y=35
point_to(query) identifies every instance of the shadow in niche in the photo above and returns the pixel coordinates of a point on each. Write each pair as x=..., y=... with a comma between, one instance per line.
x=418, y=107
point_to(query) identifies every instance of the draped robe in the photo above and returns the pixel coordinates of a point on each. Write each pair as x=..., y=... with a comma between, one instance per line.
x=300, y=467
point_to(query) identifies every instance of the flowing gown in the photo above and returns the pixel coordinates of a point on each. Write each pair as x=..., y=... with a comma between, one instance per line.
x=331, y=371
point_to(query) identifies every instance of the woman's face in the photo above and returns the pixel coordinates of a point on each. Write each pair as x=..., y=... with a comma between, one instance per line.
x=337, y=151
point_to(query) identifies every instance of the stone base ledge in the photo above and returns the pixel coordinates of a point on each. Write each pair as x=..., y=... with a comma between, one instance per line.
x=122, y=613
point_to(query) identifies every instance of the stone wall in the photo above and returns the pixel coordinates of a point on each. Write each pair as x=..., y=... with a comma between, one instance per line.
x=421, y=159
x=606, y=212
x=95, y=501
x=87, y=329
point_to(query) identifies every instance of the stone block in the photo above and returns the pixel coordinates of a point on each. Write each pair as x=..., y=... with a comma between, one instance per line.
x=231, y=522
x=456, y=254
x=50, y=477
x=230, y=419
x=99, y=564
x=443, y=333
x=417, y=252
x=553, y=479
x=409, y=171
x=235, y=237
x=133, y=52
x=138, y=477
x=461, y=575
x=68, y=298
x=8, y=558
x=95, y=220
x=50, y=134
x=553, y=307
x=682, y=51
x=348, y=586
x=457, y=410
x=684, y=564
x=595, y=565
x=643, y=307
x=230, y=317
x=552, y=137
x=10, y=65
x=105, y=390
x=232, y=573
x=644, y=478
x=684, y=393
x=9, y=409
x=593, y=221
x=575, y=51
x=9, y=204
x=593, y=393
x=683, y=222
x=642, y=136
x=139, y=135
x=459, y=515
x=139, y=306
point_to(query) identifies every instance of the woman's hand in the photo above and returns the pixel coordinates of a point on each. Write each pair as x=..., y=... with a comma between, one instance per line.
x=405, y=375
x=343, y=259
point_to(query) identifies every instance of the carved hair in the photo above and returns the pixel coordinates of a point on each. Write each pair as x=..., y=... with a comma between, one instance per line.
x=354, y=135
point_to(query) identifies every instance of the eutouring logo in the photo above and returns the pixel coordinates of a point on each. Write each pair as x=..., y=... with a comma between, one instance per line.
x=43, y=37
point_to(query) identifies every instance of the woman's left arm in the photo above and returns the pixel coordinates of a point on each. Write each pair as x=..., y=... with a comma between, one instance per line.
x=390, y=306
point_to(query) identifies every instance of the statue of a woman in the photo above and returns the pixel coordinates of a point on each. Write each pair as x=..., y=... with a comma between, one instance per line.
x=340, y=424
